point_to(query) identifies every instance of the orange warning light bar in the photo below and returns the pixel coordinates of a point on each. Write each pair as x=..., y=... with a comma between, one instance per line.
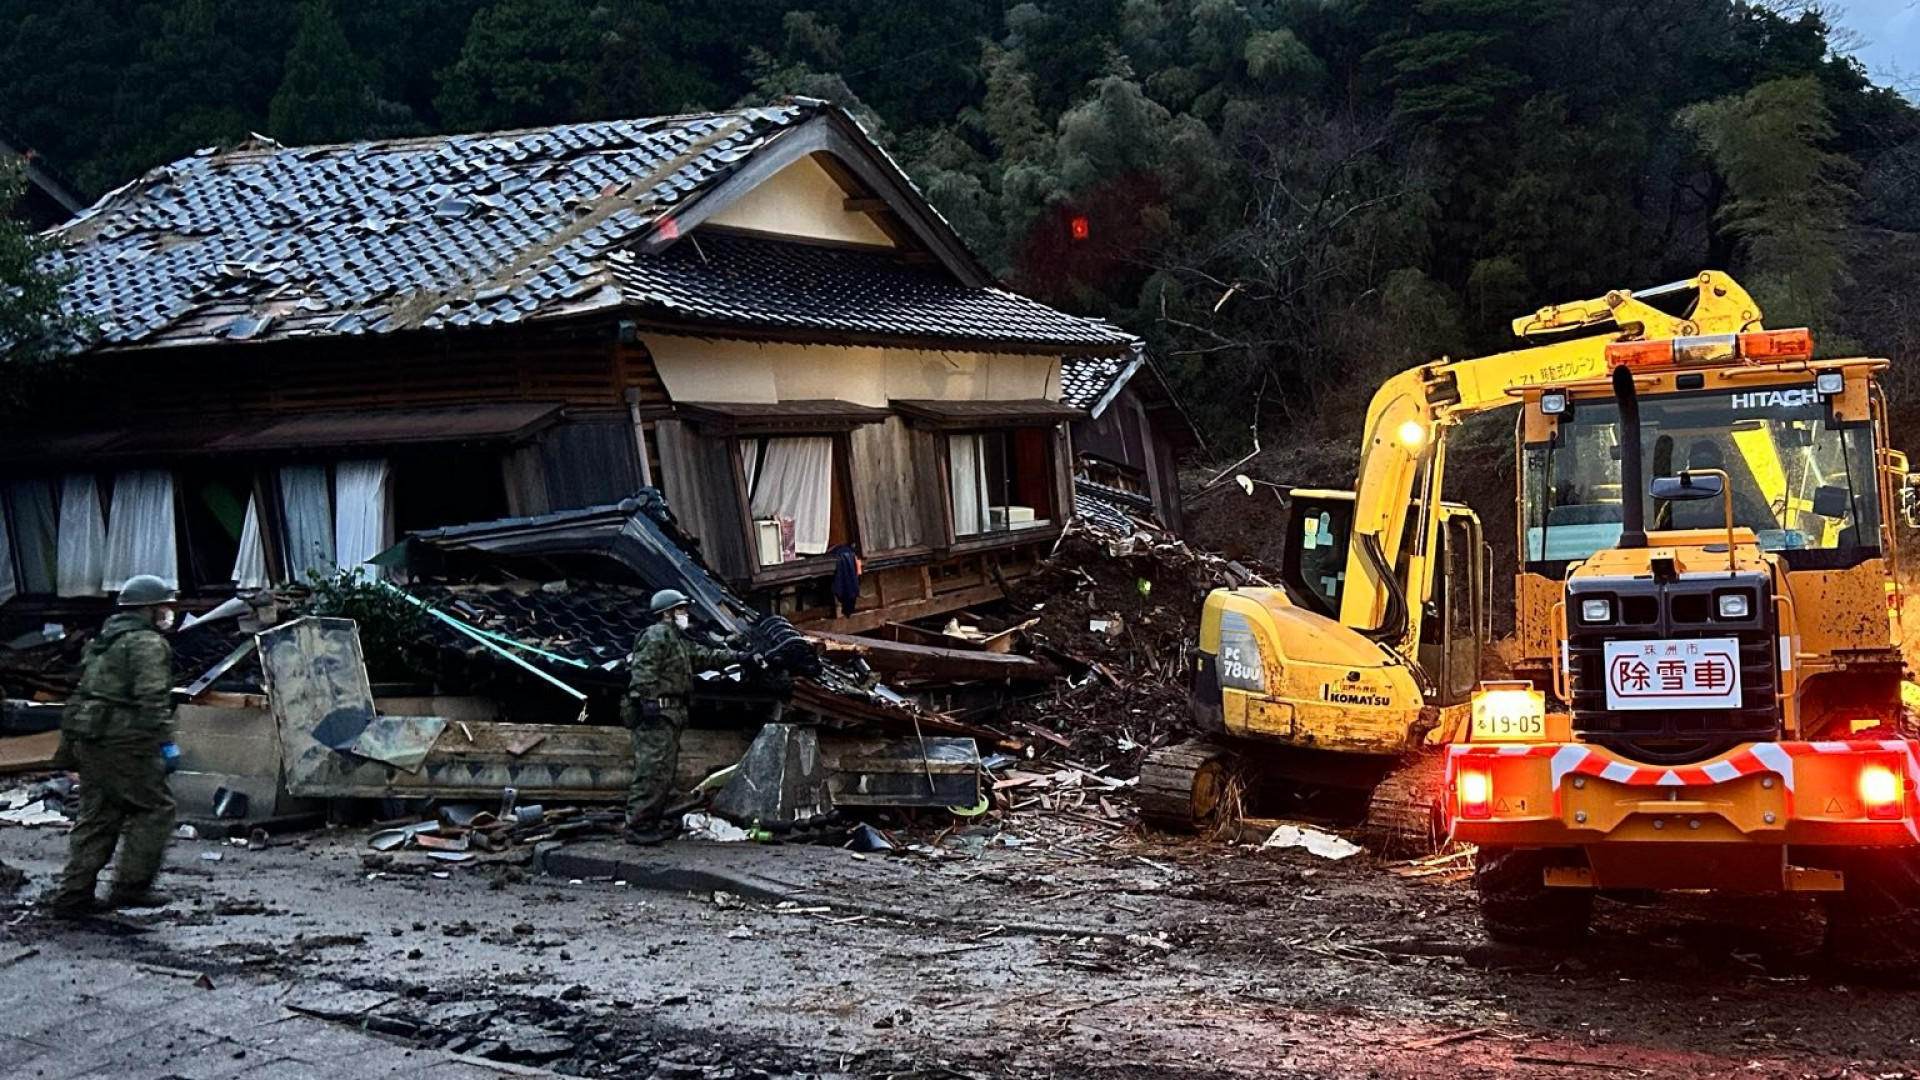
x=1640, y=353
x=1796, y=344
x=1760, y=346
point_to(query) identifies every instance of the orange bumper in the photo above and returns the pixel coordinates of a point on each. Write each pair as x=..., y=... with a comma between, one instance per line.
x=1759, y=795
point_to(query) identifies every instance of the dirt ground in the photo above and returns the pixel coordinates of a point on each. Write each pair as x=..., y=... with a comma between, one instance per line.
x=1043, y=949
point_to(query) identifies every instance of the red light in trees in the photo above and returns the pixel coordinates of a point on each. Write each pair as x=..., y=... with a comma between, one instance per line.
x=1079, y=227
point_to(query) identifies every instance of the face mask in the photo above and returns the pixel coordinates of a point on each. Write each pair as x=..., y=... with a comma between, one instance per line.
x=680, y=619
x=164, y=620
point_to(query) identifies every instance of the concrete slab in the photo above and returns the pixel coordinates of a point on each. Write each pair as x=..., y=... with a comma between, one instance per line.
x=222, y=1059
x=17, y=1052
x=384, y=1059
x=304, y=1038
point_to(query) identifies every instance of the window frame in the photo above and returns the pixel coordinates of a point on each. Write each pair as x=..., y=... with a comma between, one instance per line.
x=1059, y=485
x=806, y=566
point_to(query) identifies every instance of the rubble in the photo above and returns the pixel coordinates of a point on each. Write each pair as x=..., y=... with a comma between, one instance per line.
x=1121, y=614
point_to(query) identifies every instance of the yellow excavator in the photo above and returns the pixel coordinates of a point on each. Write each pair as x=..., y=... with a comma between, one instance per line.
x=1345, y=680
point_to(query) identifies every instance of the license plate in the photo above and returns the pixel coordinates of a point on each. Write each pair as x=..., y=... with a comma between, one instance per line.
x=1512, y=713
x=1697, y=673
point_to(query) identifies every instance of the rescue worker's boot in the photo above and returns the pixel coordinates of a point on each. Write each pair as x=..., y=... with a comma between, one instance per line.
x=72, y=905
x=649, y=833
x=145, y=896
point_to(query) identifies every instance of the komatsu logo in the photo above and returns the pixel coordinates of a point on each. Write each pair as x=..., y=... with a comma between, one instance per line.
x=1776, y=399
x=1342, y=697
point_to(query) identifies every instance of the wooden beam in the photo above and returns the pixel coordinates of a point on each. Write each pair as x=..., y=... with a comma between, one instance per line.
x=902, y=660
x=939, y=604
x=864, y=204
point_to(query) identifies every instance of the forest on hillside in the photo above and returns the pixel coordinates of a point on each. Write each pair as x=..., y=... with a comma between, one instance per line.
x=1288, y=198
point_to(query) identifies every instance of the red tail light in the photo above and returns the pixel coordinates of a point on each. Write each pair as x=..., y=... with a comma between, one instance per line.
x=1884, y=793
x=1475, y=790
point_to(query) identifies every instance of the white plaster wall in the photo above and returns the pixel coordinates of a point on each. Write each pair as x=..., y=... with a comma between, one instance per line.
x=697, y=369
x=801, y=200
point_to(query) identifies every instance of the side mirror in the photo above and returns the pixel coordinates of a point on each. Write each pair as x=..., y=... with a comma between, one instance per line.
x=1910, y=500
x=1830, y=501
x=1688, y=487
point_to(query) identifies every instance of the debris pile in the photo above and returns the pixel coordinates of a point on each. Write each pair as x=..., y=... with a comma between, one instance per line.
x=1124, y=615
x=463, y=832
x=44, y=802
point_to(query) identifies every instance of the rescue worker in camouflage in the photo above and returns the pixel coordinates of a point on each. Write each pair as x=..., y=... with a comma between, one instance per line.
x=111, y=733
x=662, y=667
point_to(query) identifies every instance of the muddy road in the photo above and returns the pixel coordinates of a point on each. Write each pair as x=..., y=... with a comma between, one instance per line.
x=1053, y=958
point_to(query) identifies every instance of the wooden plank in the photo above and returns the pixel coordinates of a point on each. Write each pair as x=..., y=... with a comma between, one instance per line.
x=697, y=473
x=862, y=621
x=906, y=660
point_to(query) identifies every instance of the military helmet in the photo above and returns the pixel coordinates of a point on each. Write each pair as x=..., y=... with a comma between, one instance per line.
x=146, y=590
x=667, y=599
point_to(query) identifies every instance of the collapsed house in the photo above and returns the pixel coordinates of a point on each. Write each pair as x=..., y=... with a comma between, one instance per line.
x=448, y=365
x=1127, y=446
x=306, y=353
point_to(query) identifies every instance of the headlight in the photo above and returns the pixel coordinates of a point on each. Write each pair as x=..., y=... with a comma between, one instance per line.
x=1734, y=606
x=1829, y=383
x=1553, y=402
x=1596, y=611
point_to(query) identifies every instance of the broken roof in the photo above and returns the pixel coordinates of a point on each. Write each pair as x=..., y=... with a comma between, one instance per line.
x=1093, y=382
x=267, y=242
x=1090, y=382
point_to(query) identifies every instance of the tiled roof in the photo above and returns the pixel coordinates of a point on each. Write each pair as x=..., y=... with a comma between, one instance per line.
x=271, y=242
x=1100, y=516
x=1085, y=380
x=755, y=281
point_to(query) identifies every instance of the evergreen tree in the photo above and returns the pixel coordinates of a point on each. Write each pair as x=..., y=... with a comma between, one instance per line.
x=1787, y=197
x=35, y=332
x=326, y=94
x=524, y=64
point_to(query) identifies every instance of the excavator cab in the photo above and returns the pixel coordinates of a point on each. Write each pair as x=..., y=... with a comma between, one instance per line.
x=1454, y=618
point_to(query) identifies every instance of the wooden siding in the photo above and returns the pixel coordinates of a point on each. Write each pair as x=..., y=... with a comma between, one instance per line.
x=577, y=364
x=590, y=462
x=896, y=493
x=1126, y=435
x=697, y=474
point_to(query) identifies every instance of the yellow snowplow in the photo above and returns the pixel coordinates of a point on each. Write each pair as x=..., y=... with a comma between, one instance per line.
x=1707, y=610
x=1723, y=655
x=1369, y=651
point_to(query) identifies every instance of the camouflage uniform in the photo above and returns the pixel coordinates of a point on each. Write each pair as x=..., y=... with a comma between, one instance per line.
x=112, y=731
x=662, y=666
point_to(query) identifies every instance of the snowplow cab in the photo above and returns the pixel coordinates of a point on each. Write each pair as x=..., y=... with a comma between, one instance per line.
x=1724, y=648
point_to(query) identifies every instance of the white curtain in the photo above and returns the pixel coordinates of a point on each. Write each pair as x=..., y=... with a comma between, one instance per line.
x=361, y=528
x=307, y=508
x=36, y=530
x=795, y=480
x=967, y=476
x=82, y=538
x=9, y=587
x=250, y=566
x=140, y=536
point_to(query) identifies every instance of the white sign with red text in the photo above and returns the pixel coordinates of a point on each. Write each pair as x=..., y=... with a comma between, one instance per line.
x=1699, y=673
